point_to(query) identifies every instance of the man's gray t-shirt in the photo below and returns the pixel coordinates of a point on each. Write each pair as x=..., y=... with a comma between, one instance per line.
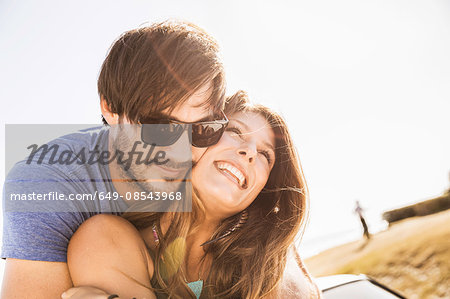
x=44, y=236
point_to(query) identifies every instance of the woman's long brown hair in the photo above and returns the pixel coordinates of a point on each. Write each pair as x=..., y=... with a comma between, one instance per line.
x=249, y=263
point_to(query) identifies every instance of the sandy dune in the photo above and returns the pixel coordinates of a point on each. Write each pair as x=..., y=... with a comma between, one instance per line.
x=412, y=256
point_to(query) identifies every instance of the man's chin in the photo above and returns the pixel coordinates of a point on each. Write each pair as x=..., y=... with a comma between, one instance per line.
x=161, y=186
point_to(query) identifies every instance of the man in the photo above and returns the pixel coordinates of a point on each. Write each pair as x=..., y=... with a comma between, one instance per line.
x=360, y=212
x=165, y=71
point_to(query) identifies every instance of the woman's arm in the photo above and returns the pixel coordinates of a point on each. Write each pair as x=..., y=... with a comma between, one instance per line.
x=108, y=253
x=297, y=278
x=296, y=281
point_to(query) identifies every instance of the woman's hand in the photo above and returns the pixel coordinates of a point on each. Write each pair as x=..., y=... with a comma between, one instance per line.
x=84, y=293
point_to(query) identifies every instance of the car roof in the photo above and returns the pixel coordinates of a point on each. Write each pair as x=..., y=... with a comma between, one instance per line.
x=327, y=282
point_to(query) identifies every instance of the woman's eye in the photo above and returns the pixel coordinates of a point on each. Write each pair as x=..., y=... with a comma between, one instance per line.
x=235, y=131
x=266, y=155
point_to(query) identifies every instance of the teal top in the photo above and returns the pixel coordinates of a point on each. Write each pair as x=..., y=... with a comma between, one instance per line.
x=195, y=286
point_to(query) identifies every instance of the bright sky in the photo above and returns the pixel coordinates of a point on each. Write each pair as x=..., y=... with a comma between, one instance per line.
x=364, y=85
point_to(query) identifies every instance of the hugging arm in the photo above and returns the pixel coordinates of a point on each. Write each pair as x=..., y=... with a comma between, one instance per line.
x=34, y=279
x=35, y=237
x=108, y=253
x=34, y=245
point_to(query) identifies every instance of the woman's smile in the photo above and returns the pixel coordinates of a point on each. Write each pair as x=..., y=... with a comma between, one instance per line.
x=232, y=172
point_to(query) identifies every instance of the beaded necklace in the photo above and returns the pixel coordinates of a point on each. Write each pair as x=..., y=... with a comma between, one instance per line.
x=195, y=286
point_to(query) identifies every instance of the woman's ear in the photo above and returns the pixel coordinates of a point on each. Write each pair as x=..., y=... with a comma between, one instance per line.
x=110, y=117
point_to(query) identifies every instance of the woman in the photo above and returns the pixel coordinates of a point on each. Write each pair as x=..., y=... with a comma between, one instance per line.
x=249, y=204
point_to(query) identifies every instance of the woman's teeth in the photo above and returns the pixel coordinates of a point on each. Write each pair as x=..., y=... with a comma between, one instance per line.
x=234, y=171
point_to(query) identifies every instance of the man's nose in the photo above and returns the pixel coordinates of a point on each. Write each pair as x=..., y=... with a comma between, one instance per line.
x=180, y=151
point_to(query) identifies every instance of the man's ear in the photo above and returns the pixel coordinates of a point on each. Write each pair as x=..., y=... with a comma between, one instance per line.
x=110, y=117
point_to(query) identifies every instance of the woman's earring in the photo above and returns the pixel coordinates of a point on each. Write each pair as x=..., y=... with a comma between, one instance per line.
x=242, y=220
x=276, y=209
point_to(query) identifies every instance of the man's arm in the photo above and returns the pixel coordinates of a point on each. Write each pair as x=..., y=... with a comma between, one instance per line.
x=35, y=279
x=34, y=245
x=35, y=242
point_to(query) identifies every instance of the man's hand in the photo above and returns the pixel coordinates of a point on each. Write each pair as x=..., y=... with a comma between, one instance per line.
x=85, y=293
x=35, y=279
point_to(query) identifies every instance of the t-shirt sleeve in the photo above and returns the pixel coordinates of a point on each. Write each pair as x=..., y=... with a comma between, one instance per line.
x=36, y=234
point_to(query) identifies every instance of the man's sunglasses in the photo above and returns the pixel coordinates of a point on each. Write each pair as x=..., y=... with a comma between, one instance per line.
x=165, y=132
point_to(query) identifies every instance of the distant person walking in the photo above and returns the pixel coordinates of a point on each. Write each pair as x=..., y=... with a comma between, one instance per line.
x=358, y=210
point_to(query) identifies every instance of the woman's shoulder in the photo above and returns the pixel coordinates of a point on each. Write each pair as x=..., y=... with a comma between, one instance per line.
x=107, y=228
x=107, y=252
x=113, y=238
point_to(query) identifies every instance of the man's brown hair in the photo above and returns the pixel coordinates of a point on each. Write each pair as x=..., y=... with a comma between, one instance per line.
x=158, y=67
